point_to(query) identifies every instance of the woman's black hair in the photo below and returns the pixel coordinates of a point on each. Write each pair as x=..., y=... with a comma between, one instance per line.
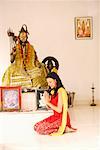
x=55, y=76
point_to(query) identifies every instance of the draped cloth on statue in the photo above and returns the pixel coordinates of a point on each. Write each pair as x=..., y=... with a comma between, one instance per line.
x=26, y=70
x=56, y=123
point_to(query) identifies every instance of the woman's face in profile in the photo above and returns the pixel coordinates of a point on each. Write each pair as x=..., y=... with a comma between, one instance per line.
x=52, y=82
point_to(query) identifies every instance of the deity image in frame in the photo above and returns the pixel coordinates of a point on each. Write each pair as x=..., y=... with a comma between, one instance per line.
x=83, y=27
x=10, y=98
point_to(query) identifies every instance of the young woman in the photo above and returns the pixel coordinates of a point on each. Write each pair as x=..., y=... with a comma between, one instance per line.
x=55, y=98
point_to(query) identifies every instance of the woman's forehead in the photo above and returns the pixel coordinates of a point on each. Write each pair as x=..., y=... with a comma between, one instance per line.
x=50, y=79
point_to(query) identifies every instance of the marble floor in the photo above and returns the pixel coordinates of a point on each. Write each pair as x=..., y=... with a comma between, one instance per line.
x=16, y=131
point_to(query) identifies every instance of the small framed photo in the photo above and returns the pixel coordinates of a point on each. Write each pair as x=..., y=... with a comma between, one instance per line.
x=40, y=100
x=10, y=98
x=83, y=28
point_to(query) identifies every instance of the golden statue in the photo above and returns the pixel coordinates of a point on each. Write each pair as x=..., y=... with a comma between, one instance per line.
x=25, y=69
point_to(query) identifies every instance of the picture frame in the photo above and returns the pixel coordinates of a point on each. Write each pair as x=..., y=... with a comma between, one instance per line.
x=83, y=28
x=40, y=99
x=10, y=98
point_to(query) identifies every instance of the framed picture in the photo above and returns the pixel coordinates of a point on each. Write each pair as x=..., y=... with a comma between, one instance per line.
x=40, y=100
x=83, y=27
x=10, y=98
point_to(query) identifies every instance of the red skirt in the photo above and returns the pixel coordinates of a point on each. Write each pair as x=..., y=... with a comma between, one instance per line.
x=50, y=124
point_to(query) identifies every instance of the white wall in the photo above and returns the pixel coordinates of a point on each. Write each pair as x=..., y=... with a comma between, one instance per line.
x=99, y=47
x=52, y=32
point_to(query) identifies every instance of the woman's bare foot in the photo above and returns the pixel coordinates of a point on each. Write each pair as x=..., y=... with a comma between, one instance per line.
x=67, y=129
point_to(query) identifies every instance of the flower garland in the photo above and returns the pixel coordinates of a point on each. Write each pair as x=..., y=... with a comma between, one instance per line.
x=27, y=54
